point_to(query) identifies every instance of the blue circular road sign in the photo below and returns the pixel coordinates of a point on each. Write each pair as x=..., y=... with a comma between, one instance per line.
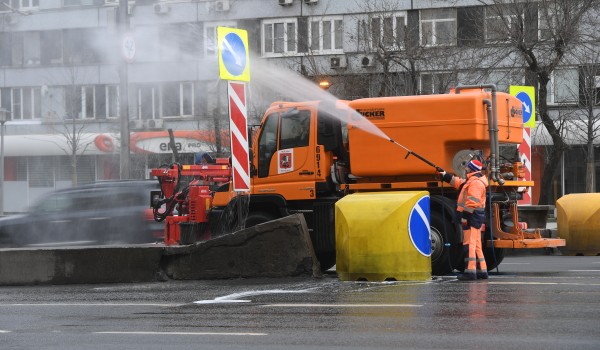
x=233, y=53
x=418, y=226
x=527, y=105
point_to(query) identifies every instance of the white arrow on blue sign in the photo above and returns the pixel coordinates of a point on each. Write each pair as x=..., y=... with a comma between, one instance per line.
x=233, y=53
x=527, y=105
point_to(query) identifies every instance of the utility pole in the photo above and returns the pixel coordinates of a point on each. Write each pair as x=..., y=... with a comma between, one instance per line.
x=123, y=25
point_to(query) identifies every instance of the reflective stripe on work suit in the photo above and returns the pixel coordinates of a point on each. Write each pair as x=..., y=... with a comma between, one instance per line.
x=470, y=205
x=472, y=193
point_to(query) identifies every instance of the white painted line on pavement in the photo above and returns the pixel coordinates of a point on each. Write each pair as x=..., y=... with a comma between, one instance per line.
x=3, y=331
x=547, y=283
x=342, y=305
x=233, y=298
x=92, y=304
x=515, y=263
x=583, y=270
x=180, y=333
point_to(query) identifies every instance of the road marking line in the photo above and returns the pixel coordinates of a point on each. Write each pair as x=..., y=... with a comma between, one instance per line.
x=233, y=298
x=3, y=331
x=515, y=263
x=342, y=305
x=93, y=304
x=548, y=283
x=180, y=333
x=583, y=270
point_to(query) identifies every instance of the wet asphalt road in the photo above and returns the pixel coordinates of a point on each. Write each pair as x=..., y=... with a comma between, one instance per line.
x=535, y=302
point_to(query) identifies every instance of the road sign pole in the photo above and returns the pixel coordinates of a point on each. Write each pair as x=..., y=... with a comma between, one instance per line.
x=238, y=126
x=234, y=66
x=526, y=94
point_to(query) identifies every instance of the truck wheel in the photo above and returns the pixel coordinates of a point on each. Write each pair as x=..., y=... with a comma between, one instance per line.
x=326, y=260
x=445, y=253
x=256, y=218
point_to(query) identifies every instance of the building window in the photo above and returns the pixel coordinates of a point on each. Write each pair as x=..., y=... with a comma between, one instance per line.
x=31, y=48
x=5, y=53
x=388, y=31
x=438, y=27
x=547, y=19
x=210, y=36
x=326, y=34
x=501, y=24
x=77, y=2
x=25, y=103
x=148, y=102
x=25, y=48
x=436, y=83
x=177, y=99
x=279, y=37
x=73, y=102
x=112, y=101
x=589, y=88
x=564, y=86
x=22, y=4
x=51, y=47
x=91, y=102
x=6, y=99
x=78, y=46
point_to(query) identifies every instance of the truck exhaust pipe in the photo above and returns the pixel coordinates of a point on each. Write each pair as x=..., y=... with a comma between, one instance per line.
x=492, y=128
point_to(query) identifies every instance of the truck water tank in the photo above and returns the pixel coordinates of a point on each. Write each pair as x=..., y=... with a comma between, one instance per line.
x=578, y=222
x=383, y=236
x=434, y=126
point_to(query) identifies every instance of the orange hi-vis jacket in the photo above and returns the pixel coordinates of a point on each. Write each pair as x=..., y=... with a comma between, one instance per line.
x=472, y=194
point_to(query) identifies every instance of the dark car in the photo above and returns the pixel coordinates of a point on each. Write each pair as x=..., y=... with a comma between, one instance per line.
x=108, y=212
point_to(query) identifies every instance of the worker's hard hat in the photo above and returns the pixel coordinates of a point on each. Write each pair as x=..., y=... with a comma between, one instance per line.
x=474, y=165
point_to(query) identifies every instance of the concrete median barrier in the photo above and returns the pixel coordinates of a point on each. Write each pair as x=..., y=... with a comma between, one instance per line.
x=279, y=248
x=79, y=265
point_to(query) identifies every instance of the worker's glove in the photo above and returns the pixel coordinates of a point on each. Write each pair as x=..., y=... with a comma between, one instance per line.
x=465, y=219
x=445, y=176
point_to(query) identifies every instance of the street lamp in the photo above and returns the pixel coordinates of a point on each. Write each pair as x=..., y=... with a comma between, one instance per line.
x=324, y=84
x=3, y=114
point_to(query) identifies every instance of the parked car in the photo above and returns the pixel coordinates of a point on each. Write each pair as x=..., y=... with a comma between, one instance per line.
x=107, y=212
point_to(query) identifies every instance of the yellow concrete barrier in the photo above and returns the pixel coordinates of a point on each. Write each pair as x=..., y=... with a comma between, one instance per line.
x=383, y=236
x=578, y=222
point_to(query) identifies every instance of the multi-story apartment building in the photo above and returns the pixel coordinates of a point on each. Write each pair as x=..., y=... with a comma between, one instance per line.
x=60, y=75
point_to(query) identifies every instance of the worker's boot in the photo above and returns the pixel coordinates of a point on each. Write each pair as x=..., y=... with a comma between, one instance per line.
x=467, y=276
x=482, y=275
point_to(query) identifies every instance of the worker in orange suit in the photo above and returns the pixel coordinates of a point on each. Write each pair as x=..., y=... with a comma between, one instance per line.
x=471, y=209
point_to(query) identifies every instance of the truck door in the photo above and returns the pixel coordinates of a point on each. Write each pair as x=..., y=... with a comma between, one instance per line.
x=285, y=164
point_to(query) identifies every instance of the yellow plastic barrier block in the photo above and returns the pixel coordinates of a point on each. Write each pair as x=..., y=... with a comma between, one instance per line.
x=383, y=236
x=578, y=222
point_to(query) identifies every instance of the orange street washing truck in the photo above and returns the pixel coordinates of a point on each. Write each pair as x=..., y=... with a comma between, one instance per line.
x=306, y=156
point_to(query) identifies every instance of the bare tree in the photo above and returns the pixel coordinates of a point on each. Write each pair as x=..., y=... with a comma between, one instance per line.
x=586, y=118
x=70, y=125
x=541, y=33
x=422, y=52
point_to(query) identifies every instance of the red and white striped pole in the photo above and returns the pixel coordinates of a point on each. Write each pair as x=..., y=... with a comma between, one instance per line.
x=525, y=155
x=238, y=126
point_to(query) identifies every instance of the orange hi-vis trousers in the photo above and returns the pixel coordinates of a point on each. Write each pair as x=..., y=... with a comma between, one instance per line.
x=474, y=259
